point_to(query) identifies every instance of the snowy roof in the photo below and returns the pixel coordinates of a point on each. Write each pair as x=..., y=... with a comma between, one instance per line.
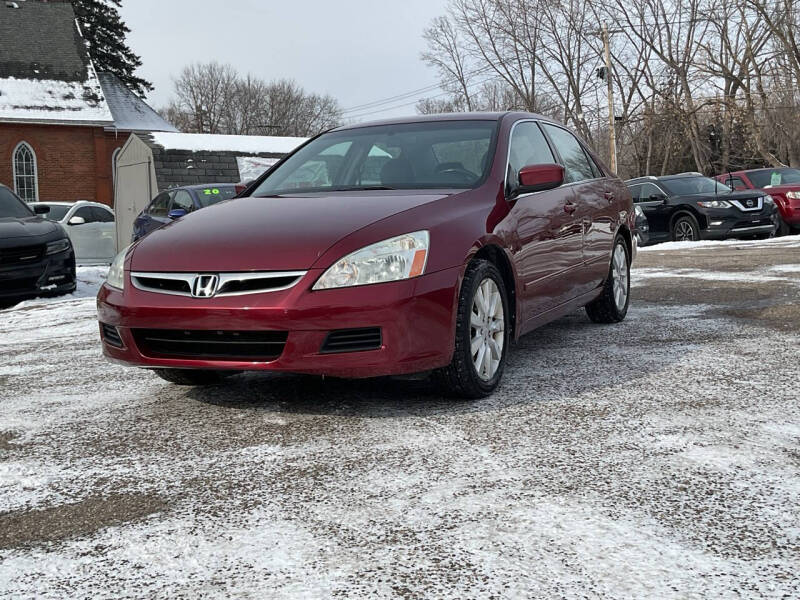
x=48, y=100
x=129, y=111
x=246, y=144
x=45, y=71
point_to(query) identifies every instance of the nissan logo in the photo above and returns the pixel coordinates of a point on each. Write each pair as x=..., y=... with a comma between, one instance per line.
x=750, y=203
x=205, y=286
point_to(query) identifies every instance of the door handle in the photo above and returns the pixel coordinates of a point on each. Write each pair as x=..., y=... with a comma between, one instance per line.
x=570, y=207
x=609, y=196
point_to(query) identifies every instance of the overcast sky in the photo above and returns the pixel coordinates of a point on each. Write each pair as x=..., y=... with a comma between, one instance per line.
x=358, y=51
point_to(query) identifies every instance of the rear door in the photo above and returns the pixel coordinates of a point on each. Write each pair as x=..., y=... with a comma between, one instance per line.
x=106, y=241
x=548, y=235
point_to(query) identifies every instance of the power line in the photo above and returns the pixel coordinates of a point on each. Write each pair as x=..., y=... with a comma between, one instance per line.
x=406, y=95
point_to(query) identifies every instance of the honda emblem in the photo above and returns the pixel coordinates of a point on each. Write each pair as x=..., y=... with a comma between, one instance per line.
x=205, y=286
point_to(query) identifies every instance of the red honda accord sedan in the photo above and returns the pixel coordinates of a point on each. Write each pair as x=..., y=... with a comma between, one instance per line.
x=396, y=247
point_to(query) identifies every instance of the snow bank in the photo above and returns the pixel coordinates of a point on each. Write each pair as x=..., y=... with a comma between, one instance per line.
x=248, y=144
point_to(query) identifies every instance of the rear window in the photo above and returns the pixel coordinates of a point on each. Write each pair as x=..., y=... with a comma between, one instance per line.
x=11, y=206
x=57, y=212
x=769, y=177
x=215, y=193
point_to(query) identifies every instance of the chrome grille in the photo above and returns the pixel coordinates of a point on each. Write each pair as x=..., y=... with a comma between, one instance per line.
x=228, y=284
x=743, y=205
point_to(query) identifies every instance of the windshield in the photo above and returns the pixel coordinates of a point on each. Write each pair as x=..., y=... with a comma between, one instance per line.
x=438, y=154
x=770, y=177
x=11, y=206
x=692, y=184
x=213, y=194
x=57, y=212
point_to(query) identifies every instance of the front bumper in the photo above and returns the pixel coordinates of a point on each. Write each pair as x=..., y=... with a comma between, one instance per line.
x=51, y=275
x=416, y=318
x=731, y=223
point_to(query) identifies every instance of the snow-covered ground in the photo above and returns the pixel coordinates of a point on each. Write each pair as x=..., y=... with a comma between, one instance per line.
x=658, y=458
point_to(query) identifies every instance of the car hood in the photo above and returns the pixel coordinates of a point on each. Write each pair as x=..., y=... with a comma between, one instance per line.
x=267, y=234
x=26, y=227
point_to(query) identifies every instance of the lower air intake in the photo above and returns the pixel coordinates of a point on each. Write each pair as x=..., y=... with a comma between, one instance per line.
x=352, y=340
x=257, y=346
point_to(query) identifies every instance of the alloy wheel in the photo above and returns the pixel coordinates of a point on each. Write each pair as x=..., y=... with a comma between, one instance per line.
x=619, y=272
x=684, y=232
x=487, y=328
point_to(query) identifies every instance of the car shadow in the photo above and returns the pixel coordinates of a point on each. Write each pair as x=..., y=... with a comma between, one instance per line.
x=560, y=361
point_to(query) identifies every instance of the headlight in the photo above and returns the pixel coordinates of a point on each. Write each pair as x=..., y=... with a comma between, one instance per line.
x=715, y=204
x=638, y=211
x=57, y=246
x=769, y=199
x=793, y=195
x=116, y=272
x=401, y=257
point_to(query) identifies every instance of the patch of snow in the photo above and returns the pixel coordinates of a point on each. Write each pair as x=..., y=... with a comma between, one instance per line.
x=247, y=144
x=640, y=274
x=53, y=100
x=779, y=242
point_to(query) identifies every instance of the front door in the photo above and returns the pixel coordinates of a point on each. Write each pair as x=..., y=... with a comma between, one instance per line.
x=547, y=234
x=651, y=199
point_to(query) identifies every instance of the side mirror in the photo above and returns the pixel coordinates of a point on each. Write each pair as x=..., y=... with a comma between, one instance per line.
x=176, y=213
x=658, y=198
x=76, y=221
x=537, y=178
x=41, y=209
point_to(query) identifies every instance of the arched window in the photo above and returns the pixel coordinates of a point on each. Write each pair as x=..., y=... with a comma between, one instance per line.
x=25, y=176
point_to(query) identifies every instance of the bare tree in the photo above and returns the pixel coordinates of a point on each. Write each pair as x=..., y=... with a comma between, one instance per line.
x=213, y=98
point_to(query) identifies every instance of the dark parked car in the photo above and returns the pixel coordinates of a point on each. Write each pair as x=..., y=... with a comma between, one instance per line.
x=476, y=229
x=175, y=203
x=36, y=256
x=688, y=206
x=782, y=183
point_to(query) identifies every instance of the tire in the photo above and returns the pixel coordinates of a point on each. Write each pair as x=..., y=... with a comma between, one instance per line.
x=461, y=377
x=612, y=304
x=192, y=376
x=685, y=229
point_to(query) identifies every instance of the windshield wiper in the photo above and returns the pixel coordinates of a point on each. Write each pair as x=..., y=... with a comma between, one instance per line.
x=361, y=188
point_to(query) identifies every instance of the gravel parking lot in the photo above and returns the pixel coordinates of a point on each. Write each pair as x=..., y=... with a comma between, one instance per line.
x=658, y=458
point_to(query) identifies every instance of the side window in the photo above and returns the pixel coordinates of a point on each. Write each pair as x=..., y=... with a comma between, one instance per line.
x=528, y=147
x=649, y=190
x=160, y=206
x=86, y=213
x=102, y=215
x=636, y=191
x=576, y=163
x=182, y=199
x=736, y=183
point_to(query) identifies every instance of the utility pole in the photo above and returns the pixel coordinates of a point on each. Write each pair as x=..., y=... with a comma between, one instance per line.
x=612, y=131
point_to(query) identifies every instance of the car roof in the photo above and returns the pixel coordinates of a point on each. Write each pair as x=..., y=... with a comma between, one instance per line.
x=457, y=116
x=199, y=186
x=653, y=178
